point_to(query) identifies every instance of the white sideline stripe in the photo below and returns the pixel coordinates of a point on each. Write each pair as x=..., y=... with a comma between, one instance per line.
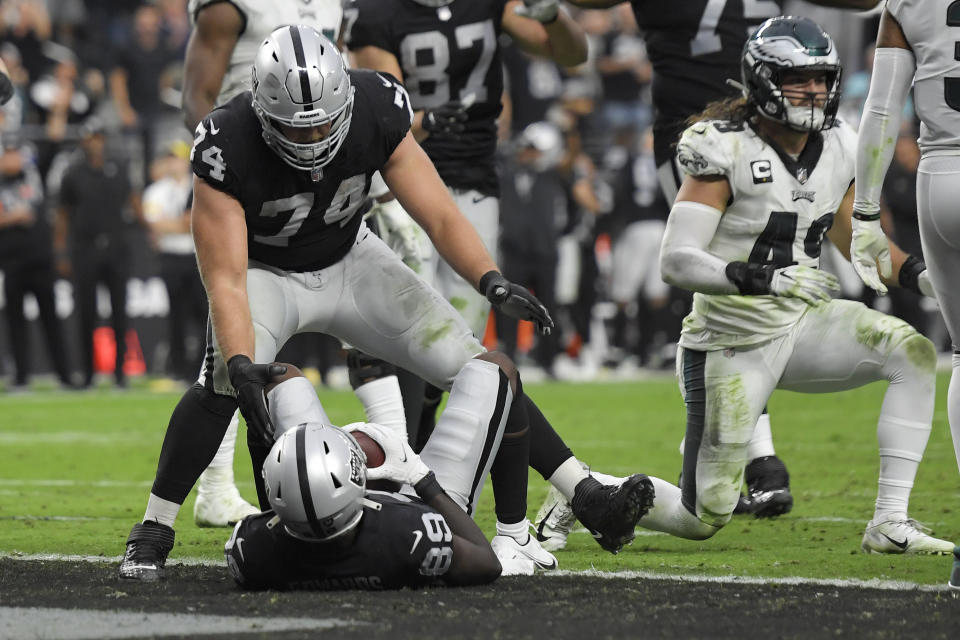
x=43, y=482
x=83, y=624
x=888, y=585
x=58, y=518
x=874, y=583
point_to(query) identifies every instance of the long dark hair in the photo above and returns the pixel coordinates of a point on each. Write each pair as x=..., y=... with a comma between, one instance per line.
x=734, y=109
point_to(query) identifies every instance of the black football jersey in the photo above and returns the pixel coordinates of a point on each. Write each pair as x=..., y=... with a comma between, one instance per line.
x=404, y=543
x=294, y=223
x=446, y=53
x=694, y=46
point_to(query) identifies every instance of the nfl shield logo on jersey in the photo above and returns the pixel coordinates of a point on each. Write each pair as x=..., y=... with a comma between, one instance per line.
x=802, y=174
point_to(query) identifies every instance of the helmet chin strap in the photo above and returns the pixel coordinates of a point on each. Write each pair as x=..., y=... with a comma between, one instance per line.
x=801, y=118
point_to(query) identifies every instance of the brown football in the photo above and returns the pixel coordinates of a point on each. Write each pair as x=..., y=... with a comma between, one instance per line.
x=373, y=451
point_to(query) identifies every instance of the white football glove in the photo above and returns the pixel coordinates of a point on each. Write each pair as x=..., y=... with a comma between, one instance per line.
x=544, y=11
x=813, y=286
x=868, y=249
x=400, y=232
x=401, y=464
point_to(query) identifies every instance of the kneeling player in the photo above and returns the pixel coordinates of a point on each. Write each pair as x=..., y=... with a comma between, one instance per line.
x=765, y=175
x=327, y=531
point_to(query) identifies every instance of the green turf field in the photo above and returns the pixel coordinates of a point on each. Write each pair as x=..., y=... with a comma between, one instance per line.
x=77, y=468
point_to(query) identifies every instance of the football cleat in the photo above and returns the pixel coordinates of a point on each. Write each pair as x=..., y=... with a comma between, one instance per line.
x=508, y=550
x=902, y=536
x=955, y=574
x=148, y=545
x=554, y=521
x=611, y=512
x=223, y=508
x=768, y=488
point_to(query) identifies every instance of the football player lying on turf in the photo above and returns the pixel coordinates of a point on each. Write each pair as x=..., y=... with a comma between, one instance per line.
x=765, y=174
x=326, y=530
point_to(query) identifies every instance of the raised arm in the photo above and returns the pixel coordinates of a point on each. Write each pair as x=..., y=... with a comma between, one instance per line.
x=893, y=71
x=211, y=44
x=549, y=32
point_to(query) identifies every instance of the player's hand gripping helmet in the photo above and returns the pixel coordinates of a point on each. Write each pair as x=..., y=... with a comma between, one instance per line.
x=790, y=44
x=315, y=477
x=302, y=96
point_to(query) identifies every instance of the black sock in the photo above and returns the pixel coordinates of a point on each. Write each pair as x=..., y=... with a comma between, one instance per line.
x=412, y=389
x=194, y=434
x=547, y=449
x=508, y=475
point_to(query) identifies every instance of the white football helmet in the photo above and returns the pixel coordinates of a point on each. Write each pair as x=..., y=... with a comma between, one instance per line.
x=787, y=44
x=300, y=81
x=315, y=477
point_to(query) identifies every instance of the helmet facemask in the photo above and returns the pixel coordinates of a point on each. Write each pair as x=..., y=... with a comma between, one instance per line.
x=300, y=82
x=779, y=48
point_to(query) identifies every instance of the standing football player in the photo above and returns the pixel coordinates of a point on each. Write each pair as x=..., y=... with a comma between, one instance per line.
x=222, y=45
x=446, y=53
x=767, y=176
x=280, y=176
x=912, y=49
x=336, y=535
x=694, y=47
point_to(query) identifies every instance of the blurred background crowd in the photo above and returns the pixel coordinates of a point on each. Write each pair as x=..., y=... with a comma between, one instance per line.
x=96, y=260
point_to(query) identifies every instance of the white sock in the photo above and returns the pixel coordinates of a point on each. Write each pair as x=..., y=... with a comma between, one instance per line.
x=606, y=478
x=670, y=516
x=160, y=510
x=383, y=403
x=901, y=448
x=953, y=406
x=218, y=476
x=567, y=476
x=519, y=531
x=761, y=444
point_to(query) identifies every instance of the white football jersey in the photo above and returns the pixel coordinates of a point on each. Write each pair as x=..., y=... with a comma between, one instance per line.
x=779, y=212
x=260, y=18
x=932, y=28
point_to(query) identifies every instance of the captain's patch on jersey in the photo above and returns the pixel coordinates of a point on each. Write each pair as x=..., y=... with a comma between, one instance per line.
x=762, y=171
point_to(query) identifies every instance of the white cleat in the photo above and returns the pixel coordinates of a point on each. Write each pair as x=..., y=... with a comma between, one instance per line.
x=522, y=559
x=554, y=521
x=902, y=536
x=221, y=509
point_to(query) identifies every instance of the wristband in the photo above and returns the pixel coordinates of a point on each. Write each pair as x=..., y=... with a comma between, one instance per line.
x=428, y=487
x=751, y=279
x=866, y=217
x=910, y=271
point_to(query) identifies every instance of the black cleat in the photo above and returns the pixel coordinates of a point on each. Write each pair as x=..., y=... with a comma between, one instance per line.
x=611, y=512
x=147, y=549
x=768, y=487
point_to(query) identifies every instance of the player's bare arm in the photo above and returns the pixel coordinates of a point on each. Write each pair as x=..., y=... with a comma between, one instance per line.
x=220, y=236
x=208, y=54
x=891, y=33
x=414, y=181
x=563, y=40
x=474, y=561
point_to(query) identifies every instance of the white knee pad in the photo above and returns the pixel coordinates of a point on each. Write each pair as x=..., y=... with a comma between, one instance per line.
x=294, y=402
x=465, y=442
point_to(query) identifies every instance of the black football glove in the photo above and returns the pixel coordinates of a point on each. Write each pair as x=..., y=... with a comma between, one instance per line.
x=515, y=301
x=446, y=121
x=249, y=380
